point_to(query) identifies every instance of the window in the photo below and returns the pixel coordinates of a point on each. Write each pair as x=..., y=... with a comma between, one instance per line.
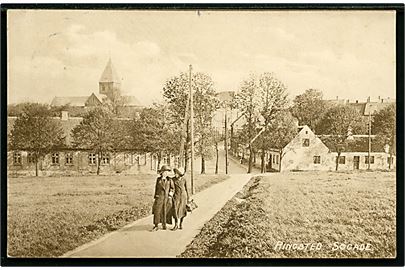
x=17, y=158
x=390, y=160
x=105, y=159
x=371, y=160
x=277, y=159
x=55, y=158
x=92, y=159
x=30, y=158
x=69, y=158
x=305, y=142
x=317, y=159
x=274, y=158
x=342, y=159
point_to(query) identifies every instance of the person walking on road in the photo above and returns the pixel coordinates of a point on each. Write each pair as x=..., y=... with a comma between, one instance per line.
x=180, y=198
x=162, y=209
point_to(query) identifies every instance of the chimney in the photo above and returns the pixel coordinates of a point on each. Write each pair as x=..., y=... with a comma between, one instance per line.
x=379, y=97
x=64, y=116
x=382, y=100
x=337, y=97
x=368, y=100
x=357, y=101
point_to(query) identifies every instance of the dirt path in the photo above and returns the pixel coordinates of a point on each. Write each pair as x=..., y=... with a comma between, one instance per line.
x=136, y=239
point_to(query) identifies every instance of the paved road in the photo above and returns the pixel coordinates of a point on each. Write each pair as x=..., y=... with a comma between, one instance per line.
x=234, y=166
x=136, y=239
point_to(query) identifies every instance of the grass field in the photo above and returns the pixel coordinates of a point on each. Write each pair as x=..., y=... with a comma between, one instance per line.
x=337, y=210
x=48, y=216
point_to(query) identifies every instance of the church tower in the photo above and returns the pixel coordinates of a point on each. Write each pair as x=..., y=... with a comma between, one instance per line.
x=110, y=84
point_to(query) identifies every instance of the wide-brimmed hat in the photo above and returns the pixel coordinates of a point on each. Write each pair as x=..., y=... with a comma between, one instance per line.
x=165, y=168
x=179, y=171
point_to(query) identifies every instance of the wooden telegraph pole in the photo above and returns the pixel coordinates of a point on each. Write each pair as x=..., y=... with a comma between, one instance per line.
x=182, y=153
x=191, y=133
x=226, y=140
x=369, y=139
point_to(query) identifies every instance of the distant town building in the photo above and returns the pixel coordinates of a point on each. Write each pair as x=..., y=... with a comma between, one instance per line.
x=308, y=151
x=109, y=92
x=364, y=108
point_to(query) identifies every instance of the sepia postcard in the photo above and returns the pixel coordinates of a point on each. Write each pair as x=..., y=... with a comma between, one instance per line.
x=161, y=135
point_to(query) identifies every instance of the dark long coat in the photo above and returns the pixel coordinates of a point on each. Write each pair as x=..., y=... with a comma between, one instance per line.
x=162, y=209
x=180, y=197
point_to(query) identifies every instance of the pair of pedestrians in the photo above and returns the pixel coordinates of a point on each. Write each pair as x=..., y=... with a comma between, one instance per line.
x=171, y=198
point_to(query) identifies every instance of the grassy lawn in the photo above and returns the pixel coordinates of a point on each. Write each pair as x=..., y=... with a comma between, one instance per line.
x=48, y=216
x=333, y=209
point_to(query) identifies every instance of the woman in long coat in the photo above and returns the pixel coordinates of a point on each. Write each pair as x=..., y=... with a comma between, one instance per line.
x=162, y=209
x=180, y=199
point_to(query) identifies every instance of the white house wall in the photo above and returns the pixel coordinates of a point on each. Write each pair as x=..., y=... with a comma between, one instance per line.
x=298, y=157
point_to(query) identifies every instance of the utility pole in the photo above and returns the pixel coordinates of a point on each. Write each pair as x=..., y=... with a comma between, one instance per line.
x=226, y=141
x=191, y=133
x=182, y=153
x=369, y=139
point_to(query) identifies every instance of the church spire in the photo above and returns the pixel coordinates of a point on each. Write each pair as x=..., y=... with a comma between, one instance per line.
x=109, y=83
x=109, y=73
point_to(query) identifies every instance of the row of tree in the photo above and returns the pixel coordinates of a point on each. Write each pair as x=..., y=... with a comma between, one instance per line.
x=270, y=122
x=338, y=120
x=270, y=119
x=36, y=130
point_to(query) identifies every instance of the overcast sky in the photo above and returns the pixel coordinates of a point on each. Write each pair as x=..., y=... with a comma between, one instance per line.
x=63, y=53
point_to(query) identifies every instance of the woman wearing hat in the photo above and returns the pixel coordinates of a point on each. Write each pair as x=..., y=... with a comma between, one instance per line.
x=180, y=198
x=162, y=207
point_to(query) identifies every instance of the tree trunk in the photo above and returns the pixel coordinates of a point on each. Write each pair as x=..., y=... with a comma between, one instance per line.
x=263, y=165
x=98, y=163
x=216, y=160
x=159, y=156
x=389, y=163
x=202, y=164
x=337, y=161
x=254, y=157
x=36, y=164
x=250, y=159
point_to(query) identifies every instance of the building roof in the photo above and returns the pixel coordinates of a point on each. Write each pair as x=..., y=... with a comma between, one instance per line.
x=226, y=96
x=363, y=107
x=109, y=73
x=72, y=101
x=67, y=125
x=374, y=107
x=357, y=144
x=131, y=101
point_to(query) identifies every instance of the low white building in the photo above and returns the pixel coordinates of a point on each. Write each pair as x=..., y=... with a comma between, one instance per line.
x=308, y=151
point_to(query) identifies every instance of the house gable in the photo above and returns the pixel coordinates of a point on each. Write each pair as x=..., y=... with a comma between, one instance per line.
x=300, y=152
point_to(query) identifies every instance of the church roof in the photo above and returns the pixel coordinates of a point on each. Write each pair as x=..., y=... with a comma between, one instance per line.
x=78, y=101
x=72, y=101
x=109, y=73
x=131, y=101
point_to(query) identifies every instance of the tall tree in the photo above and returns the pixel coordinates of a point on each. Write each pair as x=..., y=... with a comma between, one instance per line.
x=205, y=103
x=152, y=133
x=248, y=102
x=384, y=126
x=35, y=131
x=281, y=131
x=336, y=123
x=273, y=99
x=95, y=132
x=114, y=102
x=309, y=107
